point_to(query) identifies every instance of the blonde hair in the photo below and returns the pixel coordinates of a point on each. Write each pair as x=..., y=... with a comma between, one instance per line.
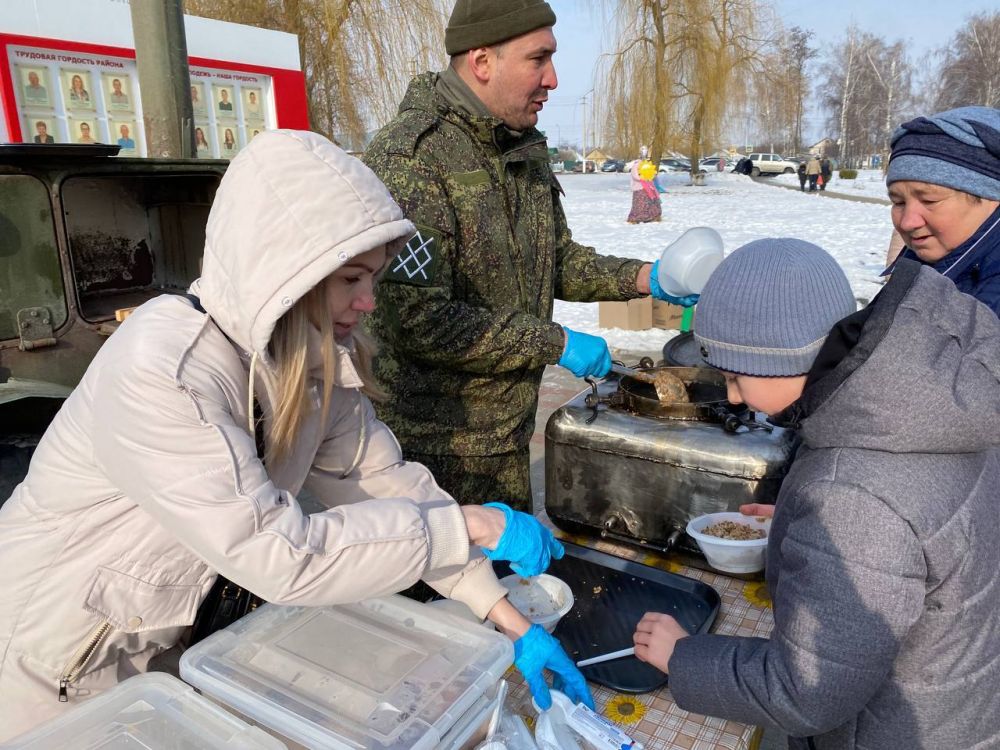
x=290, y=349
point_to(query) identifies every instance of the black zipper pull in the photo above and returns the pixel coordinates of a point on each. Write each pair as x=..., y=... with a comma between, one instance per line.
x=63, y=696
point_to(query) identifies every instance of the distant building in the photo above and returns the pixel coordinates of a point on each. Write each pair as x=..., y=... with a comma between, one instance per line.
x=825, y=147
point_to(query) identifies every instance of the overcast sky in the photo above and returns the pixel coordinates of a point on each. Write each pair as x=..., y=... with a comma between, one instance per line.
x=583, y=35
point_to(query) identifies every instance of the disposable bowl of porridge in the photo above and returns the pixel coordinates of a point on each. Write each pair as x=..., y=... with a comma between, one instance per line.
x=542, y=599
x=731, y=542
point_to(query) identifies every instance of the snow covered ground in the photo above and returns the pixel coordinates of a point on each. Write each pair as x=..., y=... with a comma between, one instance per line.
x=741, y=210
x=869, y=183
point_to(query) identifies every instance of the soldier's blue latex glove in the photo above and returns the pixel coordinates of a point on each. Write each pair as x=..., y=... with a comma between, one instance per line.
x=528, y=545
x=585, y=354
x=658, y=293
x=537, y=650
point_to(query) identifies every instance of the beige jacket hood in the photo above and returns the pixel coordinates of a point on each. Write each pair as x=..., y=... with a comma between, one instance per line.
x=303, y=208
x=147, y=483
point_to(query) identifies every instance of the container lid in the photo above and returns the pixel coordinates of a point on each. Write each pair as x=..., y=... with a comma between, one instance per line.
x=154, y=711
x=382, y=673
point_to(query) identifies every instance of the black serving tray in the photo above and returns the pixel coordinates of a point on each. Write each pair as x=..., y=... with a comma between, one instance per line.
x=611, y=596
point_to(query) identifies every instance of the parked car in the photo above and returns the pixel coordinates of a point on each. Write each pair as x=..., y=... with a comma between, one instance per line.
x=613, y=165
x=674, y=165
x=86, y=236
x=712, y=163
x=771, y=164
x=591, y=166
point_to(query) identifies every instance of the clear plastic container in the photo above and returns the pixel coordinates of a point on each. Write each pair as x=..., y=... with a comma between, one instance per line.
x=731, y=555
x=383, y=673
x=153, y=711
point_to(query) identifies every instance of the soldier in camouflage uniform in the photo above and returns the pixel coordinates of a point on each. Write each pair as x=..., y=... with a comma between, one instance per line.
x=464, y=314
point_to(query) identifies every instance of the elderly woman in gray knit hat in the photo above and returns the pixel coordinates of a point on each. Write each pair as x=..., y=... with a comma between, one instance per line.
x=882, y=555
x=944, y=184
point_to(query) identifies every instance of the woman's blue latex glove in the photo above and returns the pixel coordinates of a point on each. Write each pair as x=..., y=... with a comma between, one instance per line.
x=585, y=354
x=657, y=291
x=528, y=545
x=537, y=650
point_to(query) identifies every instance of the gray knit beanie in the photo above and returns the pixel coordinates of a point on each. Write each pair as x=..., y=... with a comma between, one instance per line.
x=768, y=307
x=959, y=149
x=480, y=23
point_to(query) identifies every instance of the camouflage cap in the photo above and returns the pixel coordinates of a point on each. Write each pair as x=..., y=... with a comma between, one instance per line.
x=480, y=23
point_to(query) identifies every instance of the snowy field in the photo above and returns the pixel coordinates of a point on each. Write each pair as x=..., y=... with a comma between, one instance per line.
x=870, y=183
x=856, y=234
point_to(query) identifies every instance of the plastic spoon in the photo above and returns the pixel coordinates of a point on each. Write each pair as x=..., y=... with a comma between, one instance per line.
x=606, y=657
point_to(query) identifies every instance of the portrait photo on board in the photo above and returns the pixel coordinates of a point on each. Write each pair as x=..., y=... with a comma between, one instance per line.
x=198, y=97
x=223, y=97
x=253, y=104
x=40, y=130
x=34, y=86
x=125, y=134
x=118, y=91
x=203, y=140
x=83, y=130
x=229, y=144
x=77, y=89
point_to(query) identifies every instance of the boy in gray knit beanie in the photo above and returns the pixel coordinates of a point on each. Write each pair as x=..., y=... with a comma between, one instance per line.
x=764, y=315
x=881, y=552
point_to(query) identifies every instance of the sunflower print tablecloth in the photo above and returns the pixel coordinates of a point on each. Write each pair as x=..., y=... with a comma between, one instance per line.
x=653, y=718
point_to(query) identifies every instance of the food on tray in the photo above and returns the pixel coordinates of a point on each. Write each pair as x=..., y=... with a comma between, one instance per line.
x=732, y=530
x=669, y=388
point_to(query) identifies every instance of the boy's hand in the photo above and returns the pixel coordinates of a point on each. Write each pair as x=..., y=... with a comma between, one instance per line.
x=757, y=509
x=655, y=637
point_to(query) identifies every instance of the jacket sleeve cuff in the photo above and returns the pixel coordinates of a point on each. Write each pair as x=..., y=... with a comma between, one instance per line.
x=705, y=678
x=556, y=344
x=478, y=587
x=627, y=276
x=447, y=535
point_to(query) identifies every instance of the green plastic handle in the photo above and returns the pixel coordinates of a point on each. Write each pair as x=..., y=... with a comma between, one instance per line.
x=686, y=317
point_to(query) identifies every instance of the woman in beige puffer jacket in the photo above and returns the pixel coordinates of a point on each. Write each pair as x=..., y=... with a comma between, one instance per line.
x=148, y=482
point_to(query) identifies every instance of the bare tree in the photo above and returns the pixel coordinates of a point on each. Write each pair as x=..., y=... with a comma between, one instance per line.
x=679, y=70
x=357, y=55
x=970, y=65
x=867, y=86
x=780, y=89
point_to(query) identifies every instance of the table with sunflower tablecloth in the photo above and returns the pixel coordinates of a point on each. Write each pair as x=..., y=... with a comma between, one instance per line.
x=653, y=718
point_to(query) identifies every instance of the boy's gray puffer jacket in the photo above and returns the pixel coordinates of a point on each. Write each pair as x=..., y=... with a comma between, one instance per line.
x=884, y=552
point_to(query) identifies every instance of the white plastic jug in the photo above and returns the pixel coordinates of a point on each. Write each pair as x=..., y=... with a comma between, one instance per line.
x=687, y=262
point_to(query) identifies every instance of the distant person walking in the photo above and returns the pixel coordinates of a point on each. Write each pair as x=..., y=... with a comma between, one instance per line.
x=802, y=176
x=825, y=172
x=813, y=171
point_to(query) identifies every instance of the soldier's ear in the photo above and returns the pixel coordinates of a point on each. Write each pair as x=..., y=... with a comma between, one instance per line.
x=480, y=63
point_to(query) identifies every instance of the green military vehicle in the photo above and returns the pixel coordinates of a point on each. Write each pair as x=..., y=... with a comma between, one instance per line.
x=85, y=236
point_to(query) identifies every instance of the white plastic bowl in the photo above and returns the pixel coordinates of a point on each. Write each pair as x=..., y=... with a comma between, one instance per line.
x=730, y=555
x=687, y=262
x=542, y=599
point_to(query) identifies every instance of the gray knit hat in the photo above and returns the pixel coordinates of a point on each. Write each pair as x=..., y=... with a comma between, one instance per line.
x=480, y=23
x=959, y=149
x=768, y=307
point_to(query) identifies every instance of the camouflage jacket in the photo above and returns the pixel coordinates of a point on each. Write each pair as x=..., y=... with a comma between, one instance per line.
x=464, y=314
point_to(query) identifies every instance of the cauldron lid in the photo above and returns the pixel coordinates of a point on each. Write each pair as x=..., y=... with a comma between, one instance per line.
x=682, y=351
